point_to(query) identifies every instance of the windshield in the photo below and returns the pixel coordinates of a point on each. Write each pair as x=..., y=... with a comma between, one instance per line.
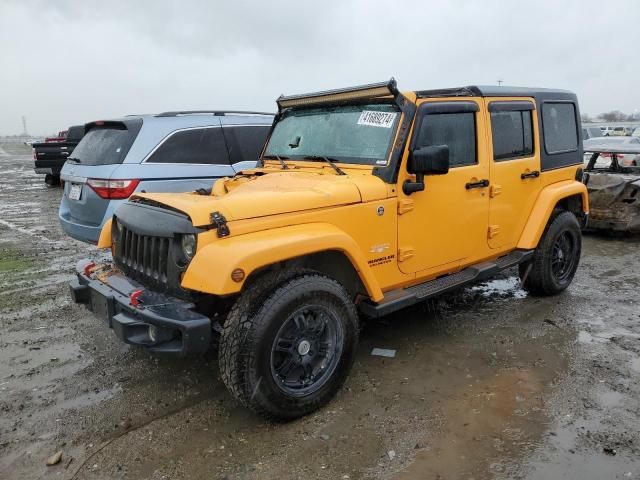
x=349, y=133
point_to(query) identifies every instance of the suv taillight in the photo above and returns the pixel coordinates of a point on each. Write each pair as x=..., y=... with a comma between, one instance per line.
x=113, y=189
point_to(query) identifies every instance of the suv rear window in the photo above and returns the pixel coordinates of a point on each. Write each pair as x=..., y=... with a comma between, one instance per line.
x=106, y=144
x=559, y=125
x=75, y=133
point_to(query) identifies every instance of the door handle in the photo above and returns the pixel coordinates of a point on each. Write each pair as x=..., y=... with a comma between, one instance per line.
x=480, y=184
x=534, y=174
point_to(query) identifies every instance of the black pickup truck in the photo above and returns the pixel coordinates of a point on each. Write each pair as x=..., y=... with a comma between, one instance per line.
x=49, y=157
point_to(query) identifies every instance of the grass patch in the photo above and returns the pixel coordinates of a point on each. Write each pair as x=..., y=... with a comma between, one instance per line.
x=11, y=261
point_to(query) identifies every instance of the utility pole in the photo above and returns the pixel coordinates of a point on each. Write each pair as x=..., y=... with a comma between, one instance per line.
x=24, y=127
x=500, y=82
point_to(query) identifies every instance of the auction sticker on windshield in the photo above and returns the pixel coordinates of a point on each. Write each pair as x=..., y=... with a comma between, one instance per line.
x=75, y=191
x=377, y=119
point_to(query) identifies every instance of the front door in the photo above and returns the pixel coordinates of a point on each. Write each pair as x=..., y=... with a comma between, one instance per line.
x=515, y=169
x=445, y=225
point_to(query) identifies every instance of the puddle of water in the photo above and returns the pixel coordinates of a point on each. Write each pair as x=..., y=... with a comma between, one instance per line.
x=610, y=398
x=88, y=399
x=24, y=359
x=584, y=337
x=501, y=286
x=635, y=364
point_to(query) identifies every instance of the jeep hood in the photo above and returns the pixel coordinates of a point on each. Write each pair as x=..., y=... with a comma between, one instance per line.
x=254, y=196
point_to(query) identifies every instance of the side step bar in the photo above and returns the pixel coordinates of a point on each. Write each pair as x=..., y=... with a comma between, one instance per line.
x=404, y=297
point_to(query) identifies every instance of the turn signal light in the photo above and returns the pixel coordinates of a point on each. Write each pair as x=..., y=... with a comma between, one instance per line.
x=237, y=275
x=113, y=189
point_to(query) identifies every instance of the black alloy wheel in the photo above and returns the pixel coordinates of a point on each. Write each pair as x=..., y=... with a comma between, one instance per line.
x=306, y=350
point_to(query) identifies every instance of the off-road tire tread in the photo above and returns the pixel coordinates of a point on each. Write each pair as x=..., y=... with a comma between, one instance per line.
x=234, y=357
x=538, y=281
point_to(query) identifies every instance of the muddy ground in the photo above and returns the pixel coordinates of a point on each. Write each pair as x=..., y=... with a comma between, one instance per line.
x=488, y=383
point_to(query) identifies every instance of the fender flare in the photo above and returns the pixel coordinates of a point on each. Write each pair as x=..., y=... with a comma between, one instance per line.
x=210, y=270
x=104, y=240
x=543, y=208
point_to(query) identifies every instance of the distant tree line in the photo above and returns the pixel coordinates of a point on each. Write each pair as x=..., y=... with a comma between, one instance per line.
x=612, y=116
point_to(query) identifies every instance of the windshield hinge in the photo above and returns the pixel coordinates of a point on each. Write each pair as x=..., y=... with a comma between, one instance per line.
x=404, y=205
x=405, y=253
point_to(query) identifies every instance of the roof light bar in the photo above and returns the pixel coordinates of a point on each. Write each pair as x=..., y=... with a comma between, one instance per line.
x=371, y=90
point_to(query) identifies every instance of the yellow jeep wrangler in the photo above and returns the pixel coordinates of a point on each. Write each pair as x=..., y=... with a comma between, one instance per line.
x=365, y=200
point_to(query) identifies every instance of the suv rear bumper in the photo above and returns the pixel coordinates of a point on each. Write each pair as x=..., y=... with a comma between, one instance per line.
x=85, y=232
x=160, y=323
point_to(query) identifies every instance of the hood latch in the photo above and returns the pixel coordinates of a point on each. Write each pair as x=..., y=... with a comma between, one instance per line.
x=218, y=220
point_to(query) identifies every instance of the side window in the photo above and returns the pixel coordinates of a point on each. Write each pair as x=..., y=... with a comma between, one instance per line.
x=456, y=130
x=559, y=126
x=512, y=134
x=245, y=142
x=197, y=145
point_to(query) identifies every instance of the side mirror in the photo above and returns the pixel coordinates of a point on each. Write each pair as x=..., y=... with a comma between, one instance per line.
x=432, y=160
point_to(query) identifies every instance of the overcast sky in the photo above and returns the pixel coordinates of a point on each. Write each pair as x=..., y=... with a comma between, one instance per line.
x=68, y=62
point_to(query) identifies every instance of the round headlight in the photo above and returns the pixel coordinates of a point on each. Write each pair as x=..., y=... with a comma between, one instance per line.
x=189, y=245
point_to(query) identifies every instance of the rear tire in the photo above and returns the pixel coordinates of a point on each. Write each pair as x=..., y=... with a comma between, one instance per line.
x=556, y=259
x=288, y=344
x=52, y=180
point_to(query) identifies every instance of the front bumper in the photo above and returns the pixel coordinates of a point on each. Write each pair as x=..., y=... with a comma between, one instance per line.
x=159, y=323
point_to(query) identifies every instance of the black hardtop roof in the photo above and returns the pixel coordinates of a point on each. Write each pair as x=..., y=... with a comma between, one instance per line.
x=496, y=91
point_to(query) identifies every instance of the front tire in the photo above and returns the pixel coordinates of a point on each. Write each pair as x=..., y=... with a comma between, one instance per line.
x=556, y=259
x=288, y=345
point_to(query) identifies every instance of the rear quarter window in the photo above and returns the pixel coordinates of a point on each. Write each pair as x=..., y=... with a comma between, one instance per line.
x=245, y=142
x=559, y=127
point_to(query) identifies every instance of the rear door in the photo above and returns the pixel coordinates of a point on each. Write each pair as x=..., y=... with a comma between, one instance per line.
x=515, y=168
x=185, y=160
x=97, y=156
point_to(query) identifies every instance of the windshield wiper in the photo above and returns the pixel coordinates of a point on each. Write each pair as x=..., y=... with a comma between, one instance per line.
x=74, y=159
x=327, y=160
x=280, y=159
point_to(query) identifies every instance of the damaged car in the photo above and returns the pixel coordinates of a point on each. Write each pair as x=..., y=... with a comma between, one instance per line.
x=612, y=177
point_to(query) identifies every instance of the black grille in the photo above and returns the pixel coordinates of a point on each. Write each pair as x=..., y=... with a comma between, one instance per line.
x=144, y=257
x=148, y=246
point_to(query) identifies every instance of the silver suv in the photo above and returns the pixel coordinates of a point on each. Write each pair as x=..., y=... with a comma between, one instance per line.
x=168, y=152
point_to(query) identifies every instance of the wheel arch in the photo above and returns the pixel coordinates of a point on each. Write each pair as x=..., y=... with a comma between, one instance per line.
x=569, y=196
x=317, y=246
x=332, y=263
x=104, y=240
